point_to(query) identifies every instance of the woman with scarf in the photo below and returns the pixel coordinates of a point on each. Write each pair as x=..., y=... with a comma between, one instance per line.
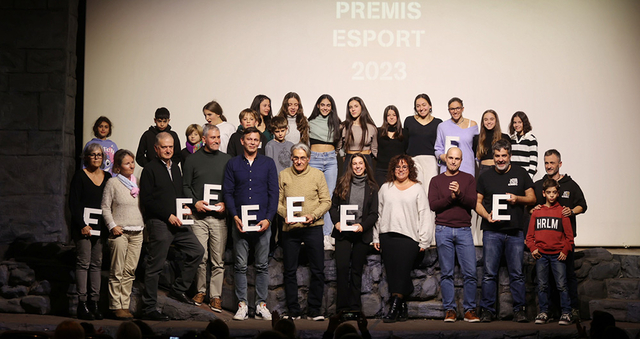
x=121, y=211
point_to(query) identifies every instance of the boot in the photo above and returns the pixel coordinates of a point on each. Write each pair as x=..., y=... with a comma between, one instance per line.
x=403, y=315
x=83, y=312
x=394, y=309
x=93, y=308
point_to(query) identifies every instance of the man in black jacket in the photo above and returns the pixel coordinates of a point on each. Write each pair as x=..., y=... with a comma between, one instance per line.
x=160, y=185
x=572, y=199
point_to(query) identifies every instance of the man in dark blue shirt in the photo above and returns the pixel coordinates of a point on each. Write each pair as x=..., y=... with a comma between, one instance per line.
x=251, y=189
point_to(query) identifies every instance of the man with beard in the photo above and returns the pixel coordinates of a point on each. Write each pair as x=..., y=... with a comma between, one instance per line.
x=452, y=196
x=503, y=192
x=572, y=199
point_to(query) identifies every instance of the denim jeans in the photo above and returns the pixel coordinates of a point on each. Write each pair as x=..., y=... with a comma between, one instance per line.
x=494, y=245
x=328, y=164
x=559, y=269
x=452, y=241
x=241, y=246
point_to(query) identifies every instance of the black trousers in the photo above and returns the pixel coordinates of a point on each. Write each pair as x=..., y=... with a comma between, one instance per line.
x=313, y=241
x=398, y=253
x=351, y=255
x=160, y=239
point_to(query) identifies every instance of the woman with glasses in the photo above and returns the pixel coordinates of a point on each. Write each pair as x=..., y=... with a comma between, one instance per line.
x=85, y=198
x=401, y=231
x=459, y=132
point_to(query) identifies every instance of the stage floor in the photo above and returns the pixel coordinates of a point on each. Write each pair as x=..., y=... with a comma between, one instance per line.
x=313, y=329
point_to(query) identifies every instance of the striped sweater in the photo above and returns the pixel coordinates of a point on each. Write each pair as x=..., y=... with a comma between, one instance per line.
x=524, y=152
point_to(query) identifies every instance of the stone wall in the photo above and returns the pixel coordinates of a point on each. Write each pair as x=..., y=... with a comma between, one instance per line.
x=37, y=102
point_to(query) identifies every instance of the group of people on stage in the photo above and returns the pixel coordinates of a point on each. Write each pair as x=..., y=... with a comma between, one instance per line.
x=275, y=180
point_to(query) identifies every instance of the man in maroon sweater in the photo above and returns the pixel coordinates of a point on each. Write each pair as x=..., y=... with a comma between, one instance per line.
x=452, y=196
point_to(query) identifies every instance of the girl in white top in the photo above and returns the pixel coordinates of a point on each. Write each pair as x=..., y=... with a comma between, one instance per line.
x=213, y=114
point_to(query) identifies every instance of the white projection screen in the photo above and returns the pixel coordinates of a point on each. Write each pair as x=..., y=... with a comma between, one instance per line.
x=571, y=65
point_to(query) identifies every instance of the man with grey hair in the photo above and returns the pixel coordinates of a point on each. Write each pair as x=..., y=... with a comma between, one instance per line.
x=302, y=180
x=250, y=181
x=203, y=178
x=160, y=186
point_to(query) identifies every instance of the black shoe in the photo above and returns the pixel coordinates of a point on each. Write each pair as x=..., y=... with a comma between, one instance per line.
x=181, y=297
x=486, y=316
x=520, y=316
x=394, y=310
x=403, y=315
x=83, y=312
x=155, y=315
x=93, y=308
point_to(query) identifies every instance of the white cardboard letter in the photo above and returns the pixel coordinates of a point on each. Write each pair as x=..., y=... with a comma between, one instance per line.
x=344, y=217
x=497, y=207
x=291, y=209
x=88, y=220
x=448, y=142
x=209, y=195
x=181, y=212
x=246, y=217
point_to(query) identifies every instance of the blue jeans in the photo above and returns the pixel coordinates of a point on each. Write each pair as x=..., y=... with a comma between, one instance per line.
x=494, y=245
x=328, y=164
x=241, y=254
x=451, y=241
x=559, y=270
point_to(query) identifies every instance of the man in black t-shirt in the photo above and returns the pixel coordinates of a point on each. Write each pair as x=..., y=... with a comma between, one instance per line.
x=503, y=193
x=572, y=199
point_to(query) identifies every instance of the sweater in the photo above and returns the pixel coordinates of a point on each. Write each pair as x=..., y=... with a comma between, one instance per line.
x=293, y=134
x=387, y=149
x=319, y=132
x=109, y=148
x=355, y=145
x=120, y=208
x=369, y=215
x=404, y=212
x=309, y=184
x=449, y=130
x=146, y=147
x=449, y=211
x=280, y=152
x=524, y=152
x=202, y=168
x=159, y=191
x=569, y=195
x=420, y=139
x=549, y=232
x=83, y=193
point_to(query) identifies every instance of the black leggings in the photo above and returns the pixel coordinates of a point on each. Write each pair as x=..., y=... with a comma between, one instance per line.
x=398, y=252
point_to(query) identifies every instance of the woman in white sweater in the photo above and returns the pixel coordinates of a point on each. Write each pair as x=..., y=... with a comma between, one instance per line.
x=121, y=212
x=401, y=230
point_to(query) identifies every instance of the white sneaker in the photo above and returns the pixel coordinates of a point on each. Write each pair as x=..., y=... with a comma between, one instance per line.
x=262, y=312
x=243, y=311
x=327, y=243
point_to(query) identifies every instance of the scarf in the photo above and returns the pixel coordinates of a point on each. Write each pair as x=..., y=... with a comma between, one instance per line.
x=130, y=184
x=193, y=148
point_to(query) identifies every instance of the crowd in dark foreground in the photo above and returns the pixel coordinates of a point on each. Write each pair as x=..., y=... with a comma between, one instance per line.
x=602, y=326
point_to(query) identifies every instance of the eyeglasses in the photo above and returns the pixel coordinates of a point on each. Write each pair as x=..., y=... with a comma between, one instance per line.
x=95, y=155
x=402, y=167
x=299, y=158
x=453, y=109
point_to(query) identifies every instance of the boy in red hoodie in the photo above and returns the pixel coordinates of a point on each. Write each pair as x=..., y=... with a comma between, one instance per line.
x=550, y=239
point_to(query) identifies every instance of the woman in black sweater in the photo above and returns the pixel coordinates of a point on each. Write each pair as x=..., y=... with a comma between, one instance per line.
x=85, y=193
x=390, y=142
x=355, y=187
